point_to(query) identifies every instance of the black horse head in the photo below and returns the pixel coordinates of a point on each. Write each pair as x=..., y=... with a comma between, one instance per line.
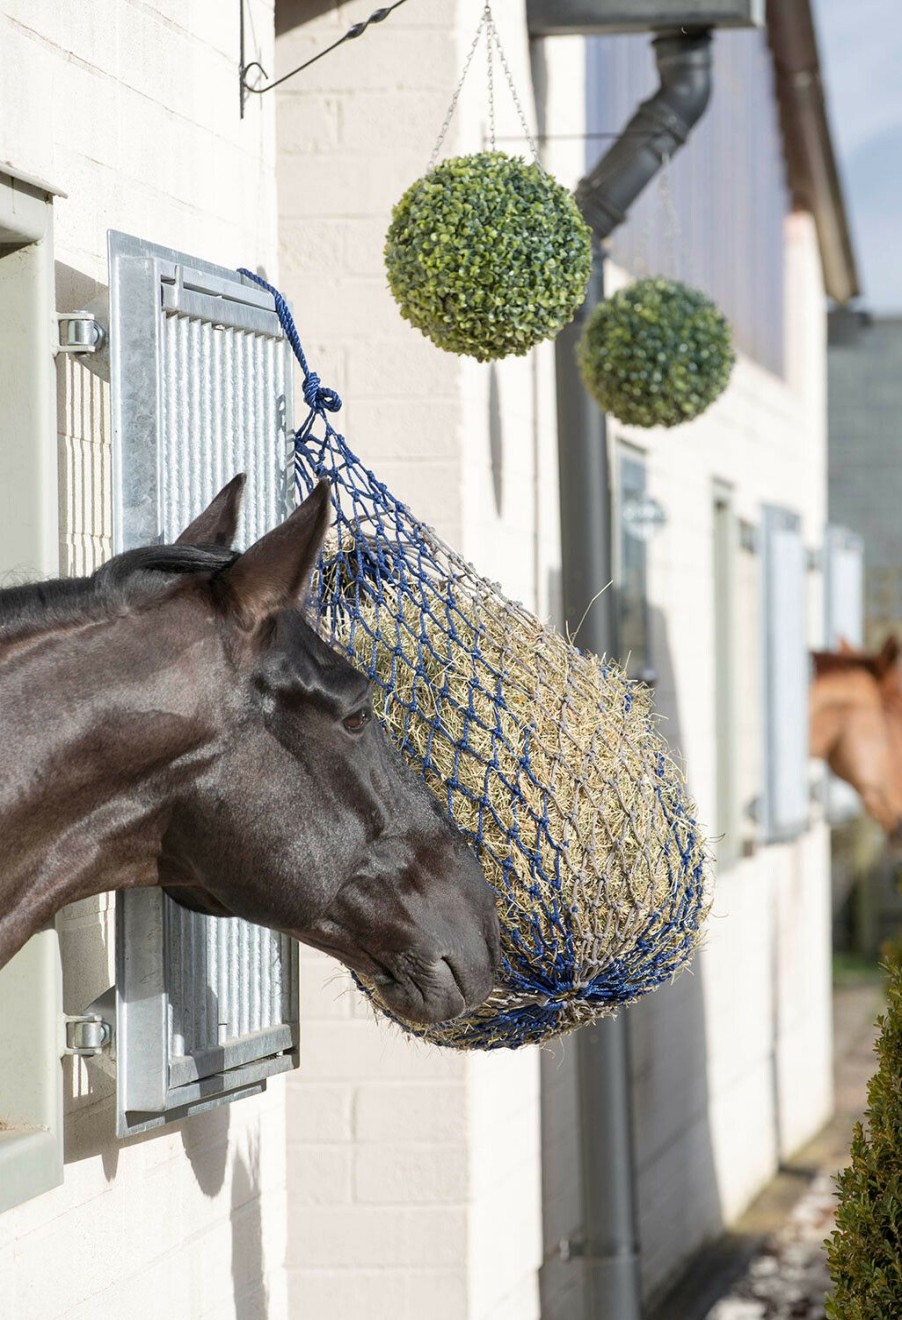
x=175, y=720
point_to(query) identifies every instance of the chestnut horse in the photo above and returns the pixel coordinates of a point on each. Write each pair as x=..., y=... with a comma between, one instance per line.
x=856, y=725
x=174, y=720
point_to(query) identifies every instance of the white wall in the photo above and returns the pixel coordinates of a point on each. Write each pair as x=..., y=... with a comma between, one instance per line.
x=414, y=1177
x=732, y=1064
x=131, y=110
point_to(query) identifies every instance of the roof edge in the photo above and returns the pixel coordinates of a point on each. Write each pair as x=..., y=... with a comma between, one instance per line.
x=811, y=163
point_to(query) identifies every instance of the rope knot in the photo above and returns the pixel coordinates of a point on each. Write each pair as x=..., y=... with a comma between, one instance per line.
x=318, y=397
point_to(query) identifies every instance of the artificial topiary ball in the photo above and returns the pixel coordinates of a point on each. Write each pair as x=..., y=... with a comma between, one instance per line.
x=488, y=255
x=656, y=353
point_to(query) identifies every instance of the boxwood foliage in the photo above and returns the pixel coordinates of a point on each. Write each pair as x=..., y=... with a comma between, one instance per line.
x=656, y=353
x=488, y=255
x=864, y=1255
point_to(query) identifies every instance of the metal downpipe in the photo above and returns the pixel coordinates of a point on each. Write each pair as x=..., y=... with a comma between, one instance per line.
x=654, y=134
x=609, y=1249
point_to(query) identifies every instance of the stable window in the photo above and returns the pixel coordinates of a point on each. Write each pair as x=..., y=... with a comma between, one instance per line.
x=785, y=795
x=201, y=388
x=31, y=1139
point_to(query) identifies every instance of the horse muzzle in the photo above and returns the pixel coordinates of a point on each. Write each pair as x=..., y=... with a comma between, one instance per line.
x=425, y=937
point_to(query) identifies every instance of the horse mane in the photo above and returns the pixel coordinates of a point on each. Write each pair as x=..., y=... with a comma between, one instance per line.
x=881, y=666
x=840, y=662
x=124, y=581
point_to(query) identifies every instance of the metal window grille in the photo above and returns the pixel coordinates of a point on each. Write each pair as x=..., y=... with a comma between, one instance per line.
x=843, y=622
x=785, y=796
x=201, y=388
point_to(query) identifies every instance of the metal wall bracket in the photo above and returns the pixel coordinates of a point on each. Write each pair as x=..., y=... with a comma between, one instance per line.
x=92, y=1032
x=79, y=332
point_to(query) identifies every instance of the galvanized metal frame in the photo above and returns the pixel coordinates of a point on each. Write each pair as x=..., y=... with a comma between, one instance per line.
x=201, y=388
x=785, y=807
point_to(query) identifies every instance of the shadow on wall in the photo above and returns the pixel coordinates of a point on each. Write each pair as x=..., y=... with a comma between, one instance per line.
x=294, y=13
x=677, y=1199
x=248, y=1257
x=496, y=441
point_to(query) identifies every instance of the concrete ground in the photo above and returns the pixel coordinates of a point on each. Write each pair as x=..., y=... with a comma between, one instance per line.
x=771, y=1265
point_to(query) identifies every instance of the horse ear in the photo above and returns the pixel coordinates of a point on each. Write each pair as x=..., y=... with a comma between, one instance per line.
x=272, y=574
x=219, y=521
x=845, y=648
x=888, y=655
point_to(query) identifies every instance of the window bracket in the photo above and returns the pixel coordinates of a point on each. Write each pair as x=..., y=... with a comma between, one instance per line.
x=79, y=332
x=92, y=1034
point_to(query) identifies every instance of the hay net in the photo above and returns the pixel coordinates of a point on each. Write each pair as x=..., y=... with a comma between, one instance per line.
x=546, y=758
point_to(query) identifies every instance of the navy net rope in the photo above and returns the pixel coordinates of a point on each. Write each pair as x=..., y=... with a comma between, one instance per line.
x=548, y=760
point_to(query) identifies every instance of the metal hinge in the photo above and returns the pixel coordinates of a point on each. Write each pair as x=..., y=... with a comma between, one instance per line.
x=92, y=1032
x=80, y=332
x=87, y=1036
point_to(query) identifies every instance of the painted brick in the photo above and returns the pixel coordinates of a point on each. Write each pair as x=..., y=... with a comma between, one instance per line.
x=321, y=1109
x=307, y=129
x=410, y=1112
x=377, y=1237
x=378, y=1295
x=319, y=1174
x=410, y=1174
x=372, y=1051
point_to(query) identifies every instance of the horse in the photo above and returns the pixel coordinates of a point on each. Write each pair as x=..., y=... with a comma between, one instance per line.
x=855, y=709
x=175, y=720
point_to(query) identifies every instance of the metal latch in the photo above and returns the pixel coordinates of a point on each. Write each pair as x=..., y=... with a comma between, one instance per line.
x=90, y=1033
x=80, y=332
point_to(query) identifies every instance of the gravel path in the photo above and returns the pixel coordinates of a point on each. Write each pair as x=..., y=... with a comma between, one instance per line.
x=788, y=1279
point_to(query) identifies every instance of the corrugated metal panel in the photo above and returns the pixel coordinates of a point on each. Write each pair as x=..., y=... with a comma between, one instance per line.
x=714, y=218
x=201, y=389
x=783, y=569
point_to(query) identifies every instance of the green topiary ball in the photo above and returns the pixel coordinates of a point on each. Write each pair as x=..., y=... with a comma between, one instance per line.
x=656, y=353
x=487, y=255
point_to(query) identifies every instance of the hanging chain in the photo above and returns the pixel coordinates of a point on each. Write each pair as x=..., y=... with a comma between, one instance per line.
x=489, y=43
x=454, y=99
x=493, y=43
x=493, y=37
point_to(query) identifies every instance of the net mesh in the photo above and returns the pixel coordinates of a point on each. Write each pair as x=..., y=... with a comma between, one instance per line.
x=548, y=759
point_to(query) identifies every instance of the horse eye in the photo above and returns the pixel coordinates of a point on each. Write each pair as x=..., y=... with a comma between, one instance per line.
x=359, y=720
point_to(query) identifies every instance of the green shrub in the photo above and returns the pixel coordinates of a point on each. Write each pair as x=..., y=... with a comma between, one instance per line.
x=864, y=1254
x=488, y=255
x=656, y=353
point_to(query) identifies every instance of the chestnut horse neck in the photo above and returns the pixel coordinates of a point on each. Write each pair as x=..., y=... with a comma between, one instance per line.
x=856, y=725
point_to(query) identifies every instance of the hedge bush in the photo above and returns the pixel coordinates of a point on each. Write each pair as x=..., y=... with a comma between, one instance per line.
x=864, y=1254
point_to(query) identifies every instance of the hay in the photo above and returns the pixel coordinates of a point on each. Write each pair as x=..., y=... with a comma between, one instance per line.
x=549, y=761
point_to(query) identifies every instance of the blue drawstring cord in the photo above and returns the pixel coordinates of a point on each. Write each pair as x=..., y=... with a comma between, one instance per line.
x=319, y=398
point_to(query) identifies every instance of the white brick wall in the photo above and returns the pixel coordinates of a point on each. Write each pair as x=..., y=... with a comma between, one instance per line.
x=131, y=109
x=742, y=1047
x=414, y=1172
x=733, y=1064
